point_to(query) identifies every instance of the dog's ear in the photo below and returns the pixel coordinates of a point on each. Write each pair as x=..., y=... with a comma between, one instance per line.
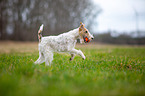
x=81, y=26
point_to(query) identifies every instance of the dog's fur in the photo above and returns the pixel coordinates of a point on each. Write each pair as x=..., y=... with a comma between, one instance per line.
x=62, y=43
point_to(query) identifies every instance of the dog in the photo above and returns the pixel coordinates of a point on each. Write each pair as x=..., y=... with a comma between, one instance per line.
x=62, y=43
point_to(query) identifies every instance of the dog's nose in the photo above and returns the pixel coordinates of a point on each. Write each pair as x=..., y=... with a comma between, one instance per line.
x=92, y=38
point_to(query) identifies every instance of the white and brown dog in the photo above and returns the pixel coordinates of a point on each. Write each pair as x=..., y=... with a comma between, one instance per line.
x=62, y=43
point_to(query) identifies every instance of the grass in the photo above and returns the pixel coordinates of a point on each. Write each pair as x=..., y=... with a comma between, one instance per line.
x=107, y=71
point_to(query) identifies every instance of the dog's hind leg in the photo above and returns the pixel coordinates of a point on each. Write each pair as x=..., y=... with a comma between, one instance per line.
x=48, y=58
x=40, y=59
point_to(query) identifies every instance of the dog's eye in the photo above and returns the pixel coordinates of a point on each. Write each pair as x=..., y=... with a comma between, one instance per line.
x=86, y=31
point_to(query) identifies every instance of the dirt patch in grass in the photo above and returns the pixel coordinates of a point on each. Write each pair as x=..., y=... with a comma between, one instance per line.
x=22, y=47
x=11, y=46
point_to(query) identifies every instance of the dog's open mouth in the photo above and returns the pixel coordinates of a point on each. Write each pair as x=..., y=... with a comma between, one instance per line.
x=86, y=39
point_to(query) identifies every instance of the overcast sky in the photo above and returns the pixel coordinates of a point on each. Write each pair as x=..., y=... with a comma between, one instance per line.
x=119, y=15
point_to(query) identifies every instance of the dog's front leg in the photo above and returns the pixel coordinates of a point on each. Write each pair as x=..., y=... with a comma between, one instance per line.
x=72, y=56
x=79, y=52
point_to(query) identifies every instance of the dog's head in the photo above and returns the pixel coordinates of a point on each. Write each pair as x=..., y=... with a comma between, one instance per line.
x=85, y=35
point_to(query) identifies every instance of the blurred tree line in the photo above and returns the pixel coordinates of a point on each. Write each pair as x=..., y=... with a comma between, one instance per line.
x=20, y=19
x=122, y=38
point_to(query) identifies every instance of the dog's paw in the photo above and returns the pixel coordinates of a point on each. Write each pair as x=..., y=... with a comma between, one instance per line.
x=84, y=58
x=70, y=59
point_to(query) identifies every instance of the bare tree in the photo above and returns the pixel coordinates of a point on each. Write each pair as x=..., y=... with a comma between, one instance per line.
x=20, y=19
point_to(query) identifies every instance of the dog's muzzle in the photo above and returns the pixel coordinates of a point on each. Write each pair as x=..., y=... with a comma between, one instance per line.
x=86, y=39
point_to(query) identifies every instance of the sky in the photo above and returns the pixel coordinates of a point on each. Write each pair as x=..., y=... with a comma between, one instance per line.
x=119, y=15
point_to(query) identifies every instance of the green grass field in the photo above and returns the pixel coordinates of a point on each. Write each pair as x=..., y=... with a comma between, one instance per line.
x=107, y=71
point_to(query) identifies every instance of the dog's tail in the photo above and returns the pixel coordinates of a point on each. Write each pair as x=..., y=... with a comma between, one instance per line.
x=39, y=32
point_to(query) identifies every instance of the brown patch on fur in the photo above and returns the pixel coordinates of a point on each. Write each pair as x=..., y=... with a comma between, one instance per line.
x=39, y=35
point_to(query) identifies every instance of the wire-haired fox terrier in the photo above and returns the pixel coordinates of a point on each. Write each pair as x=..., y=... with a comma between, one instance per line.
x=62, y=43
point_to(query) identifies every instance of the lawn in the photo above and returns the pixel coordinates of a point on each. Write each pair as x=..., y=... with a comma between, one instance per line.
x=108, y=70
